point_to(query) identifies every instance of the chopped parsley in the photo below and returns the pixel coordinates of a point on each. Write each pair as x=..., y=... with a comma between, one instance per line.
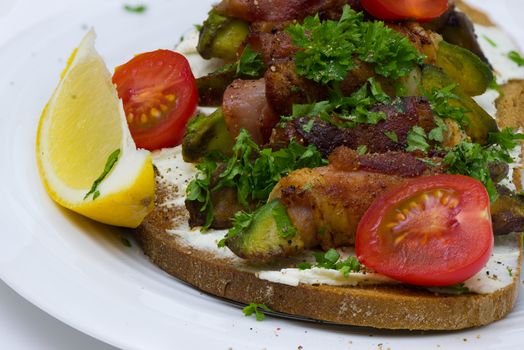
x=250, y=63
x=257, y=310
x=330, y=47
x=510, y=271
x=346, y=111
x=391, y=135
x=417, y=140
x=362, y=150
x=135, y=8
x=516, y=57
x=472, y=159
x=252, y=171
x=490, y=41
x=441, y=101
x=331, y=260
x=110, y=164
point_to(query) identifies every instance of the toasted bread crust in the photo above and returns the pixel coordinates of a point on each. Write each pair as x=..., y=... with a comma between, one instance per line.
x=381, y=306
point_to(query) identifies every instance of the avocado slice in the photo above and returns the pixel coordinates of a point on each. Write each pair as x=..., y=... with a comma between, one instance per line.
x=221, y=37
x=206, y=134
x=269, y=235
x=464, y=67
x=480, y=123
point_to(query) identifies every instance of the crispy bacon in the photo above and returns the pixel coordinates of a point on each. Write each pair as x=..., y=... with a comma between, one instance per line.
x=401, y=118
x=326, y=204
x=280, y=10
x=245, y=107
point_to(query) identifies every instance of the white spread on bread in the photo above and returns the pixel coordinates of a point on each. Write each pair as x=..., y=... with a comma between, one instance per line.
x=496, y=275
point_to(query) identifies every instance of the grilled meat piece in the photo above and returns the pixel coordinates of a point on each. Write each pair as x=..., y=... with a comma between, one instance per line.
x=425, y=41
x=281, y=10
x=326, y=204
x=273, y=46
x=507, y=213
x=245, y=107
x=284, y=87
x=402, y=116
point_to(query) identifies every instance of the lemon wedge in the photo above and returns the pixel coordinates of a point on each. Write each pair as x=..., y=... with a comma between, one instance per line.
x=86, y=156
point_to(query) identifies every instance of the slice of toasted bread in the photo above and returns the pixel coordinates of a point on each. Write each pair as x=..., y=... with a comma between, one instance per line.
x=379, y=306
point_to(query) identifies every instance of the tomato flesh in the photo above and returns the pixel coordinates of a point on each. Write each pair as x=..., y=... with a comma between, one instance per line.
x=395, y=10
x=432, y=231
x=160, y=95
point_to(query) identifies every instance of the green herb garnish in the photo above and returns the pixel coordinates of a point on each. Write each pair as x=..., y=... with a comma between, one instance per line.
x=391, y=135
x=329, y=48
x=362, y=149
x=441, y=101
x=490, y=41
x=110, y=163
x=346, y=112
x=331, y=260
x=516, y=57
x=257, y=309
x=252, y=171
x=417, y=140
x=135, y=9
x=472, y=159
x=250, y=63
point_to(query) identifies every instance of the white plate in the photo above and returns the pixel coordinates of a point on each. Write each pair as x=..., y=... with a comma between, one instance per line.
x=80, y=272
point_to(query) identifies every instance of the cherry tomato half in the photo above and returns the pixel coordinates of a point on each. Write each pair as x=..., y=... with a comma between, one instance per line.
x=432, y=231
x=395, y=10
x=159, y=94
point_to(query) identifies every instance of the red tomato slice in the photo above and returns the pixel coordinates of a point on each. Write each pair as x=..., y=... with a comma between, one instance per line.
x=395, y=10
x=160, y=95
x=432, y=231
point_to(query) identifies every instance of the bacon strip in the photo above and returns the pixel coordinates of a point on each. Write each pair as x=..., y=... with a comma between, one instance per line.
x=279, y=10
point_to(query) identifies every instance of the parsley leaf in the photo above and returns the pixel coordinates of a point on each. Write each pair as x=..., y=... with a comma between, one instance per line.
x=330, y=47
x=490, y=41
x=392, y=54
x=417, y=140
x=362, y=150
x=241, y=222
x=327, y=46
x=391, y=135
x=516, y=57
x=257, y=309
x=331, y=260
x=472, y=159
x=110, y=164
x=252, y=171
x=441, y=101
x=346, y=111
x=135, y=9
x=250, y=63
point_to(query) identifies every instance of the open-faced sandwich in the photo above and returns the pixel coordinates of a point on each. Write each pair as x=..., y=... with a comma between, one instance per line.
x=352, y=161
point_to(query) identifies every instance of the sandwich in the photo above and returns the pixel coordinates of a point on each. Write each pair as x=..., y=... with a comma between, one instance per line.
x=353, y=162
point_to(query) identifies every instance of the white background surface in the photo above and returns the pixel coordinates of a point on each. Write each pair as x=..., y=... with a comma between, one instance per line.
x=22, y=325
